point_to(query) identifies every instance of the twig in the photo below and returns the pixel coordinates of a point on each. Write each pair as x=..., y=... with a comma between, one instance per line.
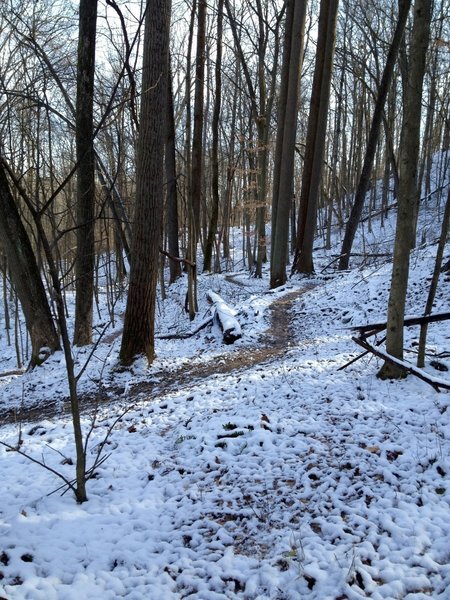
x=41, y=464
x=98, y=461
x=364, y=255
x=89, y=475
x=94, y=348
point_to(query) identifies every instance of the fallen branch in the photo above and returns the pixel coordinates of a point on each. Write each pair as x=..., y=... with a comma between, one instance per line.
x=177, y=259
x=435, y=382
x=363, y=255
x=226, y=316
x=13, y=372
x=356, y=358
x=373, y=328
x=185, y=336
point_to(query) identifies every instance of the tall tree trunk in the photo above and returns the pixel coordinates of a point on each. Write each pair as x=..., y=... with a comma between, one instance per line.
x=25, y=276
x=377, y=119
x=139, y=324
x=197, y=159
x=434, y=282
x=283, y=176
x=224, y=237
x=407, y=191
x=212, y=231
x=315, y=141
x=172, y=187
x=85, y=258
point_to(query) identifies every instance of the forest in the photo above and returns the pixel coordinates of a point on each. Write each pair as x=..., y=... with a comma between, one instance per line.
x=287, y=120
x=224, y=319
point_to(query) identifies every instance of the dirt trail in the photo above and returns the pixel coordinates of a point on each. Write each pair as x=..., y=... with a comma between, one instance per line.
x=276, y=340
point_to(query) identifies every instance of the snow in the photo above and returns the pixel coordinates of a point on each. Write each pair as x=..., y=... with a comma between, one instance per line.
x=226, y=316
x=257, y=472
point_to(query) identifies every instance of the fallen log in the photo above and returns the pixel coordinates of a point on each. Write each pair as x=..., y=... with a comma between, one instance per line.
x=13, y=372
x=226, y=317
x=373, y=328
x=435, y=382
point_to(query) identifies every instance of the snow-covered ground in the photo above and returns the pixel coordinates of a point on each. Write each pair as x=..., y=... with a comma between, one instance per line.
x=287, y=479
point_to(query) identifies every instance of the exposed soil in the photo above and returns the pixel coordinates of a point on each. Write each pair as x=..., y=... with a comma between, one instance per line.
x=276, y=341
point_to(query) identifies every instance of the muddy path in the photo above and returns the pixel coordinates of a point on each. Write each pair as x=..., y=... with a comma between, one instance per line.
x=275, y=342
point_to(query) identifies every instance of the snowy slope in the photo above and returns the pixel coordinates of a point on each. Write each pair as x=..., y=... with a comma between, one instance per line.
x=287, y=479
x=256, y=471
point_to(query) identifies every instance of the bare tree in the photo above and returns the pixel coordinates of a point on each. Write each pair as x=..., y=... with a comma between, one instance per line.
x=285, y=149
x=25, y=276
x=407, y=191
x=434, y=281
x=364, y=180
x=315, y=141
x=261, y=89
x=138, y=332
x=172, y=189
x=215, y=143
x=196, y=186
x=85, y=257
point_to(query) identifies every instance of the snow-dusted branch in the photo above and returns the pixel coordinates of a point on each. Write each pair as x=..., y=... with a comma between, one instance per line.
x=435, y=382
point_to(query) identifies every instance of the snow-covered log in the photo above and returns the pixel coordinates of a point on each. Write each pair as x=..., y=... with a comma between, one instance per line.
x=226, y=317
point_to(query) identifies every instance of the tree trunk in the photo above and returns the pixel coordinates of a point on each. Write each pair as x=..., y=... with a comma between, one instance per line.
x=138, y=331
x=171, y=194
x=26, y=277
x=364, y=180
x=212, y=231
x=407, y=191
x=315, y=141
x=283, y=175
x=434, y=282
x=197, y=158
x=84, y=132
x=224, y=237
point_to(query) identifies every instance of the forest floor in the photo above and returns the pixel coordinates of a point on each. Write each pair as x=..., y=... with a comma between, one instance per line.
x=258, y=471
x=274, y=343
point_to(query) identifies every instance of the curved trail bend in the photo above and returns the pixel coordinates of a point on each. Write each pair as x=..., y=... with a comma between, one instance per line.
x=276, y=340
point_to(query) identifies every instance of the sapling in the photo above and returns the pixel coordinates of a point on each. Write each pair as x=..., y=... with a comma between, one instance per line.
x=79, y=487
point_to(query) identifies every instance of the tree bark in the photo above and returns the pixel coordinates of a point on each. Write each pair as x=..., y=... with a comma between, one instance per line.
x=315, y=141
x=212, y=231
x=139, y=326
x=407, y=191
x=84, y=133
x=172, y=188
x=197, y=158
x=283, y=175
x=25, y=276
